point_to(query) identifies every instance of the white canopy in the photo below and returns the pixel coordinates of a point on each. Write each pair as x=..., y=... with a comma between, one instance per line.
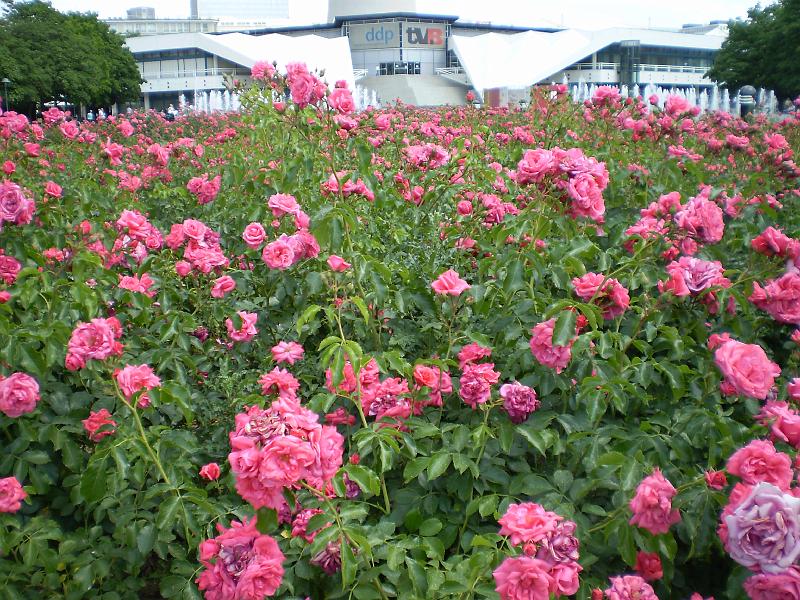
x=496, y=60
x=330, y=54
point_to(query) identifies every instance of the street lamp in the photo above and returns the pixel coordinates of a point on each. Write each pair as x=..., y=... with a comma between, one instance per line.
x=5, y=83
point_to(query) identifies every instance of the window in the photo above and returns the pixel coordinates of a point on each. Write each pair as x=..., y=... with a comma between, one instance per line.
x=400, y=68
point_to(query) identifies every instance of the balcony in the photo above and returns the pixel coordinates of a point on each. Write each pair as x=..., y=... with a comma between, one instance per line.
x=606, y=72
x=188, y=80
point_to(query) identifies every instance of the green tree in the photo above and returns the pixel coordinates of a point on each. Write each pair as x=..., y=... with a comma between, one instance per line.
x=763, y=51
x=69, y=57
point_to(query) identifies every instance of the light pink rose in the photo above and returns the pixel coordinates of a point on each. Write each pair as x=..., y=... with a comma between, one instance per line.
x=254, y=235
x=19, y=394
x=222, y=286
x=747, y=368
x=338, y=264
x=449, y=283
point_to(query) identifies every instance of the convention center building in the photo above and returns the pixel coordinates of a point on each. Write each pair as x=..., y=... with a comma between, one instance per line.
x=402, y=50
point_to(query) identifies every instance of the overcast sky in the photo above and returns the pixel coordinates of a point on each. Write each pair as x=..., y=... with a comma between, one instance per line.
x=570, y=13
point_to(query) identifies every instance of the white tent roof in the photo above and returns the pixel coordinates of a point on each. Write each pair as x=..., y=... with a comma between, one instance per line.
x=330, y=54
x=495, y=60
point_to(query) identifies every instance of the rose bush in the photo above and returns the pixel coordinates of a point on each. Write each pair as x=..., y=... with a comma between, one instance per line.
x=454, y=353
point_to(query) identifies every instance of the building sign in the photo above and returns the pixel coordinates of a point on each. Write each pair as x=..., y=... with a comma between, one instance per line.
x=365, y=36
x=423, y=35
x=375, y=36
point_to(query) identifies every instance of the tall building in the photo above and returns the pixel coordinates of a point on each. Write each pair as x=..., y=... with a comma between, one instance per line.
x=240, y=10
x=142, y=12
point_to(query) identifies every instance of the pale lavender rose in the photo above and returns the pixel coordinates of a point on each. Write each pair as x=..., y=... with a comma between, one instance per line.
x=764, y=530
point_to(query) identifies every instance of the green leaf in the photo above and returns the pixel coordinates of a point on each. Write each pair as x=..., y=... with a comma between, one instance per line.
x=438, y=465
x=308, y=314
x=93, y=480
x=145, y=538
x=430, y=527
x=415, y=467
x=366, y=479
x=562, y=479
x=349, y=565
x=166, y=514
x=564, y=329
x=362, y=307
x=267, y=520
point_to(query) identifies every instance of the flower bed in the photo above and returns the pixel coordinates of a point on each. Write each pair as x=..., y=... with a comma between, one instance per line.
x=453, y=353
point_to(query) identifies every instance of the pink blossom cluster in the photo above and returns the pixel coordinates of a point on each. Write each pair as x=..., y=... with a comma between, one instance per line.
x=304, y=87
x=582, y=179
x=277, y=448
x=202, y=252
x=342, y=183
x=240, y=564
x=426, y=156
x=477, y=379
x=607, y=293
x=136, y=237
x=549, y=564
x=96, y=340
x=203, y=188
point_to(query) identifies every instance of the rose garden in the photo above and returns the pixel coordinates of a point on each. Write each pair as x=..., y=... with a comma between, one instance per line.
x=307, y=352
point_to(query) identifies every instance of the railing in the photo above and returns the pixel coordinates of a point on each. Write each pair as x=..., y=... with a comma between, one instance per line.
x=359, y=73
x=606, y=66
x=451, y=71
x=195, y=73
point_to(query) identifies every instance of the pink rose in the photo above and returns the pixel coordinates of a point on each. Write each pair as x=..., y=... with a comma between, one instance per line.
x=97, y=421
x=341, y=100
x=262, y=70
x=543, y=349
x=747, y=368
x=648, y=565
x=283, y=204
x=279, y=254
x=782, y=420
x=210, y=471
x=11, y=495
x=780, y=298
x=613, y=298
x=450, y=283
x=652, y=504
x=222, y=286
x=759, y=461
x=247, y=331
x=134, y=378
x=183, y=268
x=523, y=578
x=254, y=235
x=528, y=522
x=536, y=165
x=338, y=264
x=289, y=352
